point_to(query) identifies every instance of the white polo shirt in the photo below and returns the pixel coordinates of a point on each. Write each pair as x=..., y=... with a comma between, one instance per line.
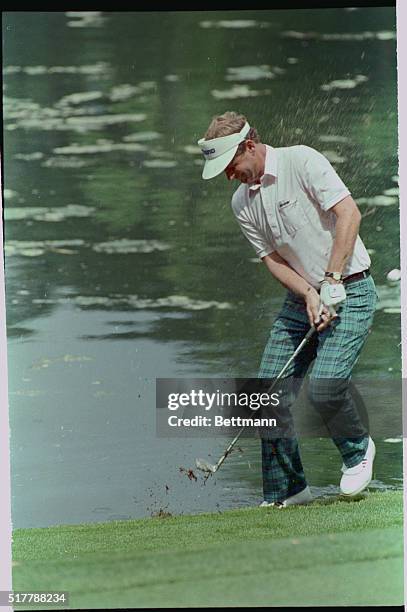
x=289, y=212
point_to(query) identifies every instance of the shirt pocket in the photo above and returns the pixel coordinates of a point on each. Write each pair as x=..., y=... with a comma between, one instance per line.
x=292, y=215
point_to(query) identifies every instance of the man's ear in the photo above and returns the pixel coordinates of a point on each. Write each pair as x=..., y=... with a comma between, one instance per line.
x=250, y=145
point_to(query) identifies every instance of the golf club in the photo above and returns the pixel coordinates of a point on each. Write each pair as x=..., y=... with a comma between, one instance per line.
x=209, y=468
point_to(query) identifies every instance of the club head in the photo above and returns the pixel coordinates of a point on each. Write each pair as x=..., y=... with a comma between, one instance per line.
x=204, y=466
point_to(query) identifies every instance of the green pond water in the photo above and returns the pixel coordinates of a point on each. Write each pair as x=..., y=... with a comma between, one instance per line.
x=122, y=265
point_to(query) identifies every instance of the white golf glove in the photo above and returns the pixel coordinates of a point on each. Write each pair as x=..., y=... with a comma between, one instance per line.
x=332, y=294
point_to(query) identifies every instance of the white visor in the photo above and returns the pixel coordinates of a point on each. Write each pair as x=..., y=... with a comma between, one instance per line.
x=219, y=152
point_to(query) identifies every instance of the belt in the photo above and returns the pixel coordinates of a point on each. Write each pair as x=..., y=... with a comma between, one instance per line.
x=355, y=277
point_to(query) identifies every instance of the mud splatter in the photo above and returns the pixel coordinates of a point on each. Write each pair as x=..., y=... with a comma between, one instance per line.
x=189, y=473
x=161, y=513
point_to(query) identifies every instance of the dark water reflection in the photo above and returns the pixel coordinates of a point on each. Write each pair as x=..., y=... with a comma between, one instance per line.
x=107, y=220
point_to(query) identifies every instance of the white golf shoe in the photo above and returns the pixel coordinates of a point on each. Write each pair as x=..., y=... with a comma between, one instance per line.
x=357, y=478
x=303, y=497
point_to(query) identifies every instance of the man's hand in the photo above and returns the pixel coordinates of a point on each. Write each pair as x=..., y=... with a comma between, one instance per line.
x=319, y=315
x=332, y=294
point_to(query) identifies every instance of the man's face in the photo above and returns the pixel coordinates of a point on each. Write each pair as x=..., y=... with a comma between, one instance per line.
x=243, y=167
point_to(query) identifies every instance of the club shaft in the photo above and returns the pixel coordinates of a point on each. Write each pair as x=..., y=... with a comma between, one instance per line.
x=299, y=348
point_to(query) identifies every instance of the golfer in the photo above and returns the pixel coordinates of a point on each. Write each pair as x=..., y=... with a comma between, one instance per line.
x=303, y=224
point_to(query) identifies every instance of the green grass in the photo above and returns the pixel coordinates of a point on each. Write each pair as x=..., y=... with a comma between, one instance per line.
x=336, y=553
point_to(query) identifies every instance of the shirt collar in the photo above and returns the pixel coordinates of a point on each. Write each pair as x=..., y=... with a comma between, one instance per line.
x=270, y=168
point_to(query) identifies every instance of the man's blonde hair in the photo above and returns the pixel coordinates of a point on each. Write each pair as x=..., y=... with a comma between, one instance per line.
x=230, y=123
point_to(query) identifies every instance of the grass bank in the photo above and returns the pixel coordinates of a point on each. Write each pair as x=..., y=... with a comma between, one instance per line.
x=326, y=553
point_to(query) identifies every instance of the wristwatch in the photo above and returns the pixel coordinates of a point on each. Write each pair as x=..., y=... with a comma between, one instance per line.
x=337, y=276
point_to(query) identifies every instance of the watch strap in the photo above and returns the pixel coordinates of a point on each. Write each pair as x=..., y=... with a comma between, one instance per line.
x=335, y=275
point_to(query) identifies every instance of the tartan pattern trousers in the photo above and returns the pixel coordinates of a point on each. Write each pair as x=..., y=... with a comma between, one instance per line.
x=333, y=352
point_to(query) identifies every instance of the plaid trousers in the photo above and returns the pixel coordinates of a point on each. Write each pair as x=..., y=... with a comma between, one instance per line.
x=334, y=353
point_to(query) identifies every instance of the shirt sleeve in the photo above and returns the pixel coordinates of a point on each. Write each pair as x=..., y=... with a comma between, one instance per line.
x=256, y=239
x=319, y=178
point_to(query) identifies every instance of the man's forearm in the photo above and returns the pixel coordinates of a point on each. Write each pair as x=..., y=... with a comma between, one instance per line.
x=281, y=270
x=286, y=275
x=346, y=231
